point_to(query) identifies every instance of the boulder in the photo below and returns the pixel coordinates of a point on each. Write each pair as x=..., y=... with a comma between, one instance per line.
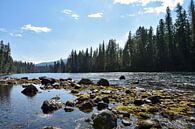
x=102, y=105
x=69, y=103
x=85, y=81
x=155, y=99
x=47, y=81
x=68, y=109
x=24, y=78
x=105, y=99
x=30, y=90
x=103, y=82
x=138, y=102
x=86, y=106
x=128, y=91
x=122, y=77
x=105, y=119
x=51, y=105
x=148, y=124
x=126, y=122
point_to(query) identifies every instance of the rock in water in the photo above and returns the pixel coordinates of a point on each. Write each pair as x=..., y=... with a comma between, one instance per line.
x=103, y=82
x=105, y=120
x=85, y=81
x=30, y=90
x=102, y=105
x=122, y=77
x=51, y=105
x=86, y=106
x=147, y=124
x=47, y=81
x=50, y=127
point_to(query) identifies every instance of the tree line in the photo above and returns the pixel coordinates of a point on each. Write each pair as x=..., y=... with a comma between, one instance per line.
x=172, y=48
x=7, y=65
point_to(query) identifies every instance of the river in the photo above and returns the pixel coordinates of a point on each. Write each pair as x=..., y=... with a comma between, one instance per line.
x=20, y=111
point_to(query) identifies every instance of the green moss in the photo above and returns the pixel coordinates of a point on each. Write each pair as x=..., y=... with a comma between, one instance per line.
x=129, y=109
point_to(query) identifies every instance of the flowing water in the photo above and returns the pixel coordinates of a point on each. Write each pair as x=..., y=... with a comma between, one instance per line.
x=20, y=111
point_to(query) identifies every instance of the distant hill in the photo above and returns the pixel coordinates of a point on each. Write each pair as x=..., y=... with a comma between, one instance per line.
x=49, y=63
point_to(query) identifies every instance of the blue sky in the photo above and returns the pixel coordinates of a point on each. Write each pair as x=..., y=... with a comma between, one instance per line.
x=47, y=30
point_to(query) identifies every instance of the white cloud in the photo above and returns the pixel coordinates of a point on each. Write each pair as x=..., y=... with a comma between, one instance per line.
x=143, y=2
x=3, y=30
x=95, y=15
x=15, y=35
x=160, y=9
x=67, y=11
x=75, y=16
x=70, y=13
x=36, y=29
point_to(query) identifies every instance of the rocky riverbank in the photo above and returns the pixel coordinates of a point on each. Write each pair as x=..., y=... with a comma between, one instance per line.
x=118, y=107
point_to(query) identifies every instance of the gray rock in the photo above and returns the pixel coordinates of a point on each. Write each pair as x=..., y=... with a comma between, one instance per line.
x=85, y=81
x=68, y=109
x=138, y=102
x=30, y=90
x=147, y=124
x=105, y=120
x=155, y=99
x=86, y=106
x=126, y=122
x=24, y=78
x=47, y=81
x=103, y=82
x=69, y=103
x=102, y=105
x=122, y=77
x=51, y=105
x=50, y=127
x=105, y=99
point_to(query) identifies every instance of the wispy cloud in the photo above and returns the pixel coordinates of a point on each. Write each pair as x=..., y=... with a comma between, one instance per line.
x=3, y=30
x=15, y=34
x=70, y=13
x=95, y=15
x=75, y=16
x=36, y=29
x=160, y=9
x=67, y=11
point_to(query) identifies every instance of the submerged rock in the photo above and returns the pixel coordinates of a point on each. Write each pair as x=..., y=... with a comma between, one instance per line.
x=103, y=82
x=51, y=105
x=85, y=81
x=30, y=90
x=104, y=120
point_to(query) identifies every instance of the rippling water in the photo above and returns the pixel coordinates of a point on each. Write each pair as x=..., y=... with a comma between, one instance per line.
x=20, y=111
x=144, y=78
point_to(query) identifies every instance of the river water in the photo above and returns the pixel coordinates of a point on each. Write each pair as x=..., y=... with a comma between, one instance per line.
x=19, y=111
